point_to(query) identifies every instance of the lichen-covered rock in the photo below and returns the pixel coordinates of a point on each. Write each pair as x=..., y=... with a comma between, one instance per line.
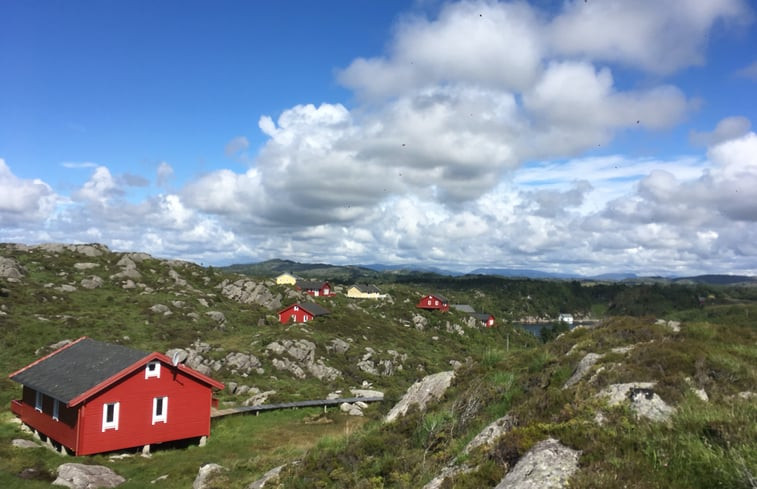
x=82, y=476
x=582, y=369
x=430, y=388
x=548, y=465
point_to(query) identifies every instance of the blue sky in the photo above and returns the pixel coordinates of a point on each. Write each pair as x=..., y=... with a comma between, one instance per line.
x=581, y=137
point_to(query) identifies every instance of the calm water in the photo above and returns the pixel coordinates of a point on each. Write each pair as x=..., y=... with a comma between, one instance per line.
x=535, y=328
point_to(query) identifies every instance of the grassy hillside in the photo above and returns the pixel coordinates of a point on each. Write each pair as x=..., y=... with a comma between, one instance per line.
x=154, y=304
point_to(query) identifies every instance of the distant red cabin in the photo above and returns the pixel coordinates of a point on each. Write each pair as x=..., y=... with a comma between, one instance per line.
x=485, y=319
x=316, y=289
x=92, y=397
x=301, y=312
x=434, y=302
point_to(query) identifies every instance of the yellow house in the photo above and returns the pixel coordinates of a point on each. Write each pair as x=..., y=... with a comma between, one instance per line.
x=360, y=291
x=286, y=279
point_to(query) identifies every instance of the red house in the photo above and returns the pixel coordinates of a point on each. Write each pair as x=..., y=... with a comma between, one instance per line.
x=301, y=313
x=91, y=397
x=485, y=319
x=434, y=302
x=315, y=288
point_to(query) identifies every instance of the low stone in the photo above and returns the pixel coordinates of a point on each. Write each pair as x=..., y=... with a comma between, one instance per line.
x=22, y=443
x=160, y=308
x=366, y=393
x=547, y=465
x=82, y=476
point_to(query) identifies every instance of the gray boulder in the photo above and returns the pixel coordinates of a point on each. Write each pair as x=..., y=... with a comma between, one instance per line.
x=81, y=476
x=205, y=474
x=430, y=388
x=337, y=346
x=642, y=400
x=548, y=465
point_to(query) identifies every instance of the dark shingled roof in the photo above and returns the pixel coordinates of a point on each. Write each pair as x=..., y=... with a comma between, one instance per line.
x=314, y=309
x=76, y=369
x=310, y=284
x=463, y=308
x=481, y=316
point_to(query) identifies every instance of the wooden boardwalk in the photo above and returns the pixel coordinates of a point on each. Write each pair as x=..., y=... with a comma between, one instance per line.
x=218, y=413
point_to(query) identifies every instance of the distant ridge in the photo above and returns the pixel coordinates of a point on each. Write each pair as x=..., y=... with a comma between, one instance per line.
x=351, y=273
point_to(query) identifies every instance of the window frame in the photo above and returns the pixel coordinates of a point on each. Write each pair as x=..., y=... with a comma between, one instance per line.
x=163, y=416
x=38, y=400
x=113, y=423
x=155, y=372
x=56, y=410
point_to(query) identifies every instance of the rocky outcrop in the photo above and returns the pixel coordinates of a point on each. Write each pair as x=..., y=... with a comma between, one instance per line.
x=128, y=269
x=242, y=363
x=548, y=465
x=430, y=388
x=81, y=476
x=205, y=474
x=582, y=369
x=250, y=292
x=301, y=360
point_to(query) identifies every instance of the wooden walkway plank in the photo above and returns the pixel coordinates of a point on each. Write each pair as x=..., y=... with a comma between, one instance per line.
x=218, y=413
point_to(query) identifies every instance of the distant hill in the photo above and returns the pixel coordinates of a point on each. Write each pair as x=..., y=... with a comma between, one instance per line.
x=718, y=279
x=272, y=268
x=378, y=271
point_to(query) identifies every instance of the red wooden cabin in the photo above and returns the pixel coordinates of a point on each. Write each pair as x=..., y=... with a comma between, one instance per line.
x=92, y=397
x=434, y=302
x=322, y=289
x=485, y=319
x=301, y=312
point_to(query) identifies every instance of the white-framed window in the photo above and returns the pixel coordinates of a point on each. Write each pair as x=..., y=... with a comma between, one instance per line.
x=152, y=369
x=110, y=415
x=428, y=301
x=38, y=401
x=160, y=410
x=296, y=308
x=436, y=303
x=56, y=410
